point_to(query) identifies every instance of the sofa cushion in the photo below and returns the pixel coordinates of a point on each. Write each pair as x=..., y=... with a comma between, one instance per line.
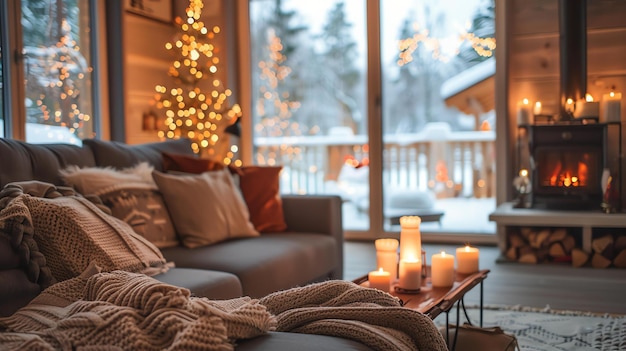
x=265, y=264
x=23, y=161
x=205, y=208
x=204, y=283
x=283, y=341
x=121, y=155
x=132, y=196
x=260, y=186
x=71, y=233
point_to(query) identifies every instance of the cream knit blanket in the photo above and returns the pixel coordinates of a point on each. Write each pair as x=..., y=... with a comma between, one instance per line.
x=127, y=311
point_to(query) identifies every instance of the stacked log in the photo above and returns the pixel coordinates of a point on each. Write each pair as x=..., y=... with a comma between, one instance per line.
x=538, y=245
x=607, y=250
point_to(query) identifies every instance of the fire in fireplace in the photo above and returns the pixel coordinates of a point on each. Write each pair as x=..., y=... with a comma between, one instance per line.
x=568, y=164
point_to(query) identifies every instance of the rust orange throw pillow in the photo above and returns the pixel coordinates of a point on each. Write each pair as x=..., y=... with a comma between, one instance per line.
x=260, y=187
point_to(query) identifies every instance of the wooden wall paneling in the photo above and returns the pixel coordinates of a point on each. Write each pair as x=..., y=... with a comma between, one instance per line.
x=535, y=17
x=535, y=56
x=606, y=51
x=606, y=14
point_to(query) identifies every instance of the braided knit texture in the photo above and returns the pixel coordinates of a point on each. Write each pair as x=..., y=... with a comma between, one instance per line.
x=344, y=309
x=120, y=310
x=70, y=232
x=127, y=311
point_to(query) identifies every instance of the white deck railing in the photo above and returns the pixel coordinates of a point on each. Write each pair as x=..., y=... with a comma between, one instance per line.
x=451, y=163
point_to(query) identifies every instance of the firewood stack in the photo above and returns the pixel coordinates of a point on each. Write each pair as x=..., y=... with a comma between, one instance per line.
x=532, y=245
x=608, y=250
x=541, y=245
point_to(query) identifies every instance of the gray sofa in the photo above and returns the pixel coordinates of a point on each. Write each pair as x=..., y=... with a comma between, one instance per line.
x=311, y=250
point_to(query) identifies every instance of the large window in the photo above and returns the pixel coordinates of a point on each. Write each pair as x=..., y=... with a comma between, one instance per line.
x=54, y=67
x=431, y=108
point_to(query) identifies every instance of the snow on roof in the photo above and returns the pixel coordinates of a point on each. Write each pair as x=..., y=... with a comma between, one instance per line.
x=474, y=85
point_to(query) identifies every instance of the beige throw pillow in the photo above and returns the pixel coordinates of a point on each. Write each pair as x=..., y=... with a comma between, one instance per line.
x=205, y=208
x=132, y=196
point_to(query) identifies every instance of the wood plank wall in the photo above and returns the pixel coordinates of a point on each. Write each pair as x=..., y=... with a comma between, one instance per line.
x=533, y=54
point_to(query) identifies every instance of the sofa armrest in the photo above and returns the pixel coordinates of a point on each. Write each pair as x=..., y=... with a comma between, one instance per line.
x=317, y=214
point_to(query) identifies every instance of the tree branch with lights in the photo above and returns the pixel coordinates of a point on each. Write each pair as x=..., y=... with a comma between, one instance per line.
x=190, y=110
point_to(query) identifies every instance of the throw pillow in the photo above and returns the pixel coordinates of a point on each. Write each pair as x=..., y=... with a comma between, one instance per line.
x=189, y=164
x=206, y=208
x=132, y=196
x=259, y=185
x=72, y=232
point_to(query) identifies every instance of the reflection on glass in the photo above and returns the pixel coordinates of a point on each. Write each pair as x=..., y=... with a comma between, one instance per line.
x=309, y=87
x=57, y=71
x=438, y=64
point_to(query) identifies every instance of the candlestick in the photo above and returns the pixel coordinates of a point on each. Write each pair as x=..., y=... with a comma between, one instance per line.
x=611, y=107
x=387, y=256
x=524, y=112
x=379, y=279
x=442, y=269
x=410, y=275
x=467, y=260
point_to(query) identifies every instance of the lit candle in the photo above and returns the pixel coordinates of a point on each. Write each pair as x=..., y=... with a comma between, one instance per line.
x=410, y=237
x=387, y=256
x=379, y=279
x=587, y=108
x=537, y=108
x=467, y=259
x=442, y=269
x=410, y=274
x=524, y=112
x=610, y=110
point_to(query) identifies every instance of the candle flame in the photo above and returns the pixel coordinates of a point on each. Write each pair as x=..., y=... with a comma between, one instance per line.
x=612, y=94
x=523, y=172
x=525, y=101
x=467, y=248
x=589, y=98
x=380, y=270
x=443, y=253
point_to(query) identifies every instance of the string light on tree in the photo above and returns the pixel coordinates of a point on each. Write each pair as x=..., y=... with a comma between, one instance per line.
x=190, y=112
x=59, y=84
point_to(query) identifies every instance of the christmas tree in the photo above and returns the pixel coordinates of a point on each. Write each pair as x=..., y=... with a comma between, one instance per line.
x=190, y=111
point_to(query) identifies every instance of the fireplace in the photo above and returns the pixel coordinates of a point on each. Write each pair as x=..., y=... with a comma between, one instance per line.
x=568, y=161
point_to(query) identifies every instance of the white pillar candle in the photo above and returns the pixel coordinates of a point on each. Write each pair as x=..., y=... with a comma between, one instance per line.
x=537, y=108
x=524, y=112
x=410, y=238
x=387, y=256
x=379, y=280
x=410, y=275
x=467, y=260
x=611, y=107
x=442, y=269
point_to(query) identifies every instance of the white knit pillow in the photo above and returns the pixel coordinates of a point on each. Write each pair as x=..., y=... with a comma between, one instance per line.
x=205, y=208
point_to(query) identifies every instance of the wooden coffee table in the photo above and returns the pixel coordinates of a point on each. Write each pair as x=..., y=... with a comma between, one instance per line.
x=433, y=301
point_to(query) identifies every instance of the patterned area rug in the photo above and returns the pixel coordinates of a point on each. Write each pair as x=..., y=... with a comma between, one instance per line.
x=550, y=330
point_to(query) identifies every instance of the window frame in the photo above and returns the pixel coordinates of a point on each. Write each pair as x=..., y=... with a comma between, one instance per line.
x=13, y=92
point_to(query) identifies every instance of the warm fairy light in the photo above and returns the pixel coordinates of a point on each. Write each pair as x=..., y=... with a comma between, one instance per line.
x=186, y=107
x=482, y=46
x=523, y=173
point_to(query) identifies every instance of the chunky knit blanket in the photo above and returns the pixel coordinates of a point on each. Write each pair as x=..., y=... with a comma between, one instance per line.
x=128, y=311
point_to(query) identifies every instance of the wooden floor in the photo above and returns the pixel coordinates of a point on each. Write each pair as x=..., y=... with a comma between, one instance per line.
x=560, y=287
